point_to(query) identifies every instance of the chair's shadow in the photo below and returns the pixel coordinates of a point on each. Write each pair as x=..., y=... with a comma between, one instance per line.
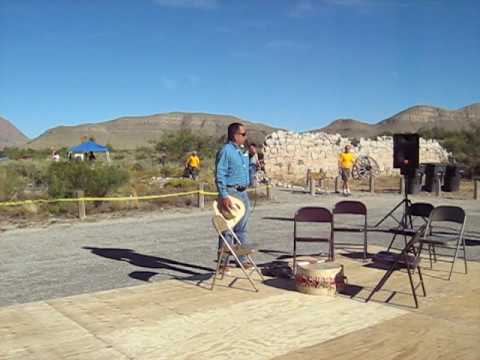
x=193, y=272
x=277, y=218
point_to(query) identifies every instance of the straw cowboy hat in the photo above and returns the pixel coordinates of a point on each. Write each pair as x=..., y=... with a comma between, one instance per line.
x=232, y=215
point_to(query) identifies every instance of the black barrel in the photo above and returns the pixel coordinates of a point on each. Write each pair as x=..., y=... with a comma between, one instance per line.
x=433, y=171
x=413, y=179
x=453, y=175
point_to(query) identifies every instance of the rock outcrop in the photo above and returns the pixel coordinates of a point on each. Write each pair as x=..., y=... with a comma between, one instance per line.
x=289, y=155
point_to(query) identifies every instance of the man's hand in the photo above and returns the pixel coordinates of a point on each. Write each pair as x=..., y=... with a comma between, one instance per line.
x=226, y=203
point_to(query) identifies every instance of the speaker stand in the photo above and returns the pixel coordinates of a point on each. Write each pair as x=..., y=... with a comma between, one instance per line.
x=405, y=203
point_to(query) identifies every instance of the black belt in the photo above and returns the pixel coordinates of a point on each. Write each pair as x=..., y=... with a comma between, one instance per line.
x=237, y=187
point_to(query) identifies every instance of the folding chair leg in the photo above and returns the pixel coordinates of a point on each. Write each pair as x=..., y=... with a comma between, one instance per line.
x=464, y=254
x=391, y=242
x=255, y=267
x=219, y=262
x=454, y=258
x=226, y=259
x=430, y=255
x=412, y=285
x=421, y=280
x=365, y=246
x=244, y=271
x=294, y=262
x=380, y=284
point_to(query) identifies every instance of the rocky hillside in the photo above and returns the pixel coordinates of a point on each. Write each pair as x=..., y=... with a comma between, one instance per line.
x=410, y=120
x=10, y=135
x=131, y=132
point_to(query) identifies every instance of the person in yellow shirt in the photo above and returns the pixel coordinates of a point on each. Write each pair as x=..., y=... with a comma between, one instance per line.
x=192, y=165
x=345, y=165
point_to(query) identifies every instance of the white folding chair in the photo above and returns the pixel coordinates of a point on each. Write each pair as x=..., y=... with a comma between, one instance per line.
x=234, y=249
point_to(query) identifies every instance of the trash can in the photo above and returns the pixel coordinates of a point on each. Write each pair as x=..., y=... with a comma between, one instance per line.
x=453, y=175
x=413, y=180
x=433, y=171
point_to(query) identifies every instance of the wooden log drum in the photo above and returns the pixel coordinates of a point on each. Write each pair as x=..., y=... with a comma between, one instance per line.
x=324, y=278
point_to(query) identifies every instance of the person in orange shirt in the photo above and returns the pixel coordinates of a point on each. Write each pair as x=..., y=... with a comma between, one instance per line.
x=192, y=165
x=345, y=165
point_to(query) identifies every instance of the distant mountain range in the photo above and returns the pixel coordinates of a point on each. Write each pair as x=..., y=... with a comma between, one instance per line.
x=132, y=131
x=411, y=120
x=10, y=136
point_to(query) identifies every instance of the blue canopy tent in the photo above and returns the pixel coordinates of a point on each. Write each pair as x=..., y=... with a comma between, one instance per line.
x=88, y=146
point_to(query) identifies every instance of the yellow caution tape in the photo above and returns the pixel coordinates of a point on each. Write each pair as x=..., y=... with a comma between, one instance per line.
x=122, y=198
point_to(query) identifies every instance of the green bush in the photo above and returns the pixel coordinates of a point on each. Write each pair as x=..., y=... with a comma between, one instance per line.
x=97, y=179
x=463, y=145
x=14, y=153
x=11, y=184
x=31, y=172
x=181, y=184
x=176, y=146
x=171, y=170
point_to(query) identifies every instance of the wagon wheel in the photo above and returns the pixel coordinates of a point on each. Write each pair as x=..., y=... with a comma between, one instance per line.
x=364, y=167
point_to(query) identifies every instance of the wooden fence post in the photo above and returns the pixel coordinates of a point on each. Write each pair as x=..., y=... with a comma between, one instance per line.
x=476, y=188
x=269, y=190
x=312, y=185
x=201, y=196
x=82, y=214
x=402, y=184
x=309, y=174
x=371, y=183
x=134, y=203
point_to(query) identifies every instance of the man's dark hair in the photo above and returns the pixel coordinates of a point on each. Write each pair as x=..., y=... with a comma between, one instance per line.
x=233, y=129
x=253, y=144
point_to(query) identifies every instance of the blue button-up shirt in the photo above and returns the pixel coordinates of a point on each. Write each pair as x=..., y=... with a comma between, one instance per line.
x=231, y=168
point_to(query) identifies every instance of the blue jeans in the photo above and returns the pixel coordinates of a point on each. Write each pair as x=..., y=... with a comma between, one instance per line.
x=240, y=229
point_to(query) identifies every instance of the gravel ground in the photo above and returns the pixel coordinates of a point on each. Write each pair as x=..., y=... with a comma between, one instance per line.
x=73, y=258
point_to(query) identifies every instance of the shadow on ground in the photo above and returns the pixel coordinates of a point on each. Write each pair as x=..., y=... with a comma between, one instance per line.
x=149, y=261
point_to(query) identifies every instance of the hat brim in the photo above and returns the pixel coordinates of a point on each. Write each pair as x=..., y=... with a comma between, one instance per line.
x=232, y=215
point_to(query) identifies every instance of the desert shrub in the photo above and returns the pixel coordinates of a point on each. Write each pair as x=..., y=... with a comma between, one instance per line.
x=462, y=144
x=14, y=153
x=11, y=184
x=175, y=146
x=171, y=170
x=144, y=152
x=17, y=176
x=32, y=172
x=138, y=167
x=180, y=184
x=64, y=178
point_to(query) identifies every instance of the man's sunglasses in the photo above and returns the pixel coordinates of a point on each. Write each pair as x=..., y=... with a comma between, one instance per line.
x=242, y=134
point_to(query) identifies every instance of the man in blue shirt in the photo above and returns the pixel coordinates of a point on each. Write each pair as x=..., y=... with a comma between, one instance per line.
x=232, y=177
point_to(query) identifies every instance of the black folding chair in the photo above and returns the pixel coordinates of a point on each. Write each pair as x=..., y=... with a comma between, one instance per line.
x=408, y=259
x=418, y=210
x=351, y=207
x=312, y=214
x=446, y=227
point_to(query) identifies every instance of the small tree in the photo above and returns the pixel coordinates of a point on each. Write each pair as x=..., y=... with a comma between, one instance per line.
x=176, y=145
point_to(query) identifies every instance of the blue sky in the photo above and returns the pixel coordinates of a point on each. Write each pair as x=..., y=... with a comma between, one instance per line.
x=297, y=64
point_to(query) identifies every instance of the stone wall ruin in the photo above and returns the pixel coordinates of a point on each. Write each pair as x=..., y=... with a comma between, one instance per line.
x=289, y=155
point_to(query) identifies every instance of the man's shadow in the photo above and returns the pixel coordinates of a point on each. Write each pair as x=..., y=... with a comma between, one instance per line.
x=148, y=261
